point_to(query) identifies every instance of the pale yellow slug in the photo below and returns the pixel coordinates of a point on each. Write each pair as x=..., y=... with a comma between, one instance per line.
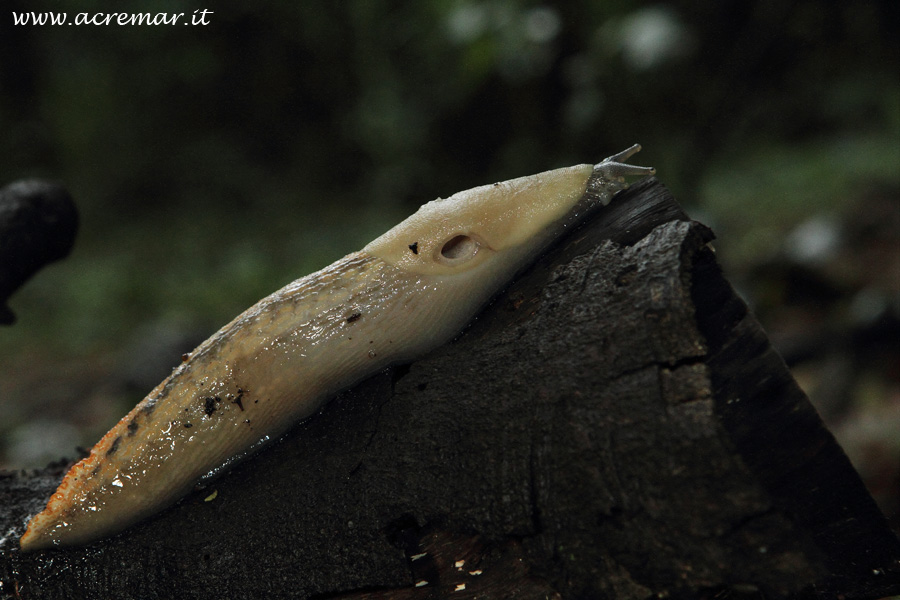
x=405, y=293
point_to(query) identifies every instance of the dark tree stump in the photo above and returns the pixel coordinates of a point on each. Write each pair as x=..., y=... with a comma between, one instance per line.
x=614, y=425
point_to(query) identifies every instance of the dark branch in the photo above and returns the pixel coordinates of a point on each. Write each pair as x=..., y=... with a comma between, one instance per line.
x=38, y=222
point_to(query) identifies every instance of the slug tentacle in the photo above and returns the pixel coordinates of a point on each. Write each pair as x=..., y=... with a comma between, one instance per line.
x=609, y=174
x=406, y=293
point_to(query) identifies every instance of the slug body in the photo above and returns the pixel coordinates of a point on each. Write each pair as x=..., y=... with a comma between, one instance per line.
x=405, y=293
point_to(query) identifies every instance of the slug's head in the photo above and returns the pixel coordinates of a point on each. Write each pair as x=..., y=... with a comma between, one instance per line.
x=459, y=233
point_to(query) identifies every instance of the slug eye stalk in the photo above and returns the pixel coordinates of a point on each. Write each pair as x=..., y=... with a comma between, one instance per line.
x=608, y=176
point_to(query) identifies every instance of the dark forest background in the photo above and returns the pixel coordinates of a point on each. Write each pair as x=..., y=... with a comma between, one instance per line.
x=213, y=164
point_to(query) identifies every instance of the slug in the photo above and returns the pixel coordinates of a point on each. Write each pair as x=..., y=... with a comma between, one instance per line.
x=406, y=293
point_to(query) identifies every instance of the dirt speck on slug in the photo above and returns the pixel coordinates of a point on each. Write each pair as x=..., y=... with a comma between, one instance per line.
x=209, y=404
x=238, y=398
x=114, y=446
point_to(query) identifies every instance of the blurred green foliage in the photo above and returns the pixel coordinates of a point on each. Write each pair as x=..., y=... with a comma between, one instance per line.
x=214, y=164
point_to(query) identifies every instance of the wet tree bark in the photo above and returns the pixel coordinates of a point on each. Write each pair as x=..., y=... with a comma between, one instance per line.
x=614, y=425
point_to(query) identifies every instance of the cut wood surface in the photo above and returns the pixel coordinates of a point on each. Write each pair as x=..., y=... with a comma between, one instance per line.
x=615, y=425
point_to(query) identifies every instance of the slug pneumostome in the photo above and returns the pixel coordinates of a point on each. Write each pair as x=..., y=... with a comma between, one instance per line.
x=405, y=293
